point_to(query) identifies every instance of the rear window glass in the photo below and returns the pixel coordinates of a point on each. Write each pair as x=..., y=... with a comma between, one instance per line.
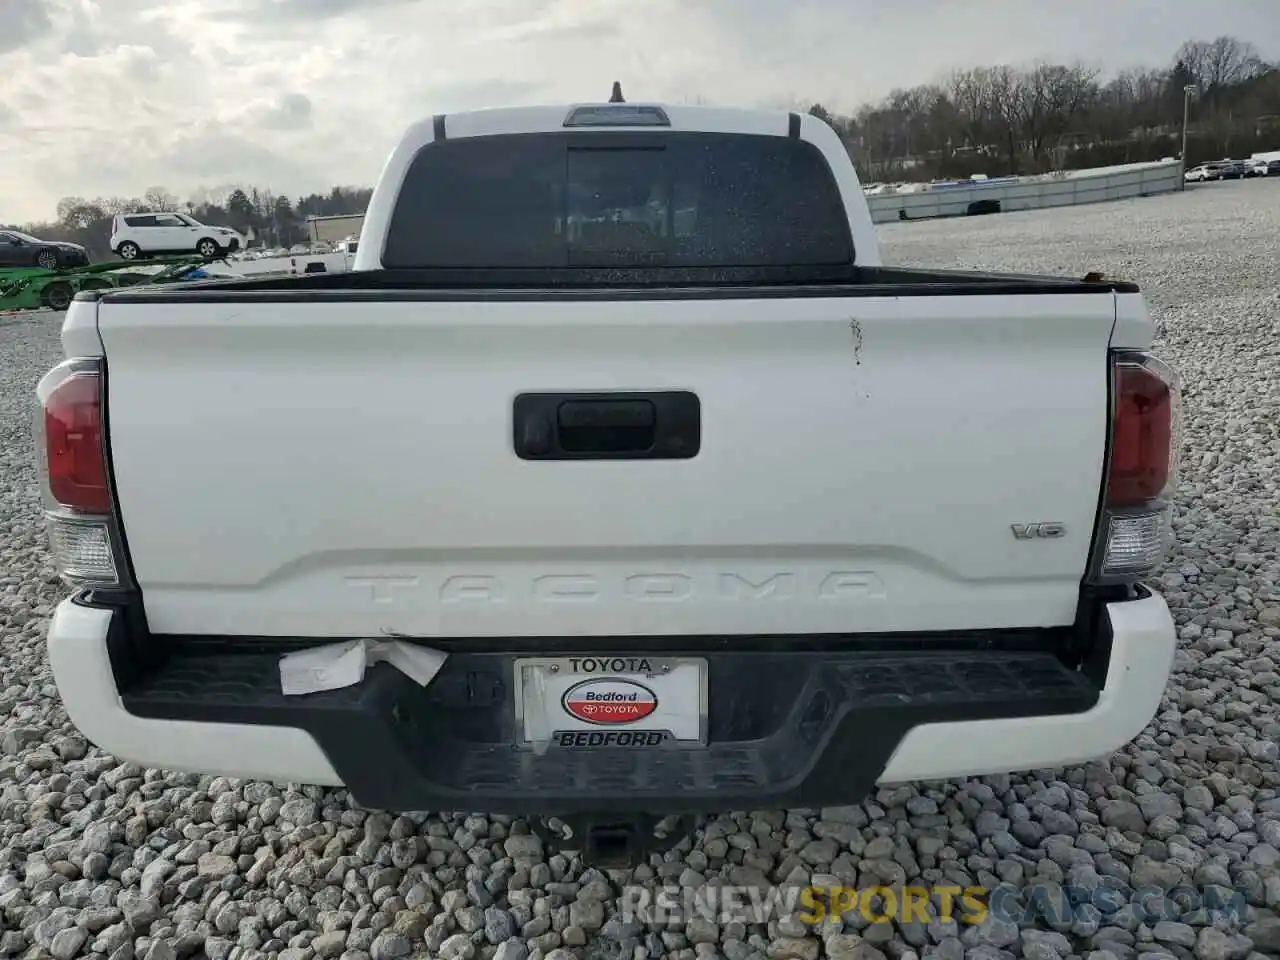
x=634, y=200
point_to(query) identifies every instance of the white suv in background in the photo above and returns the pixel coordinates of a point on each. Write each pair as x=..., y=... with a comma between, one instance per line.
x=135, y=235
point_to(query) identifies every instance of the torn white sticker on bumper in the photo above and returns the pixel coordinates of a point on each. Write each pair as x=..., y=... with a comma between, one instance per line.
x=337, y=665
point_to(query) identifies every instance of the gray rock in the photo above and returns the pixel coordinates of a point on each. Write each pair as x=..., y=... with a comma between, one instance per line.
x=330, y=944
x=1214, y=944
x=1198, y=797
x=498, y=925
x=992, y=932
x=1147, y=872
x=160, y=949
x=1168, y=931
x=587, y=914
x=216, y=866
x=511, y=950
x=390, y=946
x=851, y=947
x=793, y=948
x=67, y=943
x=1265, y=934
x=154, y=876
x=1048, y=942
x=459, y=947
x=1154, y=805
x=1123, y=816
x=523, y=846
x=701, y=930
x=300, y=811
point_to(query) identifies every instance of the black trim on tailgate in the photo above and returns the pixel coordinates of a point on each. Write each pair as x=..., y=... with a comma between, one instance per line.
x=590, y=283
x=792, y=720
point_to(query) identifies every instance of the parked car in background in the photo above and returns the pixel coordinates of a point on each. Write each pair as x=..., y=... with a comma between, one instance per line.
x=136, y=235
x=1216, y=170
x=18, y=249
x=1263, y=168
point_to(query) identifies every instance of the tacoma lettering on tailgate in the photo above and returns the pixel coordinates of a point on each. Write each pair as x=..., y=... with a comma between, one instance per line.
x=657, y=587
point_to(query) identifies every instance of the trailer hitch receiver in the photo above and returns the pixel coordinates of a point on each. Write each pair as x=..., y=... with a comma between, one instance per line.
x=611, y=841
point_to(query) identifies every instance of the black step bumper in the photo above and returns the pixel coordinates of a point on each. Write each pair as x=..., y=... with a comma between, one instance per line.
x=792, y=721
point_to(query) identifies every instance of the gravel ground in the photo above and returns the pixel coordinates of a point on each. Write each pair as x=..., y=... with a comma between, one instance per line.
x=105, y=859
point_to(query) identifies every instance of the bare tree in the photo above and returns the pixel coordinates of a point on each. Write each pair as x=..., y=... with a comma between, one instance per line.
x=1049, y=99
x=971, y=95
x=158, y=198
x=1007, y=107
x=1221, y=62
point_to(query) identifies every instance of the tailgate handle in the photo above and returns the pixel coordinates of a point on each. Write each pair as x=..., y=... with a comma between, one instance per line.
x=607, y=414
x=607, y=426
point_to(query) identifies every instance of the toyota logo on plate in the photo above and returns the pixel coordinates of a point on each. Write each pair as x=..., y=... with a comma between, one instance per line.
x=609, y=702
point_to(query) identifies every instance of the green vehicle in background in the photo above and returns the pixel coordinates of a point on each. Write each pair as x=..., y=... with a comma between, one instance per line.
x=30, y=288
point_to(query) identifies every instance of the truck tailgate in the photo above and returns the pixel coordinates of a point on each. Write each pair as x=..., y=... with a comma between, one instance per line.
x=337, y=468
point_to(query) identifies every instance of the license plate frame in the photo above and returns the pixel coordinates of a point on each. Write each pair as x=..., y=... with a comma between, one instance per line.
x=684, y=678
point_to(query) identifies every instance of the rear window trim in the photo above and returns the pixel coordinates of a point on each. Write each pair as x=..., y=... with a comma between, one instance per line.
x=640, y=138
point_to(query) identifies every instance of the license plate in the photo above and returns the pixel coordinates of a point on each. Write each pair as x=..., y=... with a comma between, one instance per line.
x=611, y=701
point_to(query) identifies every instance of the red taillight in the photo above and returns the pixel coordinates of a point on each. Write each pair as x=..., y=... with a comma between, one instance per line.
x=71, y=457
x=1135, y=525
x=74, y=454
x=1142, y=435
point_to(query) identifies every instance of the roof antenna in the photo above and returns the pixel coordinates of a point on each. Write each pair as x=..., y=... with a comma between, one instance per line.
x=616, y=96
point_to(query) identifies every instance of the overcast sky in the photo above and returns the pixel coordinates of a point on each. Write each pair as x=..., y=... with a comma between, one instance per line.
x=110, y=97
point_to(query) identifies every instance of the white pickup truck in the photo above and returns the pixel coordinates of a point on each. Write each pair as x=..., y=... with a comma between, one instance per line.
x=703, y=506
x=338, y=260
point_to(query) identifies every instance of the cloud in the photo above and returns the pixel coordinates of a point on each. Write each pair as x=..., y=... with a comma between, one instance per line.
x=109, y=97
x=208, y=150
x=308, y=9
x=292, y=111
x=21, y=22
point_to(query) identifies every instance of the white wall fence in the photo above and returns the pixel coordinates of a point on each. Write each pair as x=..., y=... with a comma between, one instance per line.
x=1064, y=189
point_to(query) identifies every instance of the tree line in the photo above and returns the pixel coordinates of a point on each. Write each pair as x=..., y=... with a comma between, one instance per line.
x=1003, y=120
x=994, y=120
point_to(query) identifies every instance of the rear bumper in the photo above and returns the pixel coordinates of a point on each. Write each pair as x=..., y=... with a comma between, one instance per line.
x=793, y=722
